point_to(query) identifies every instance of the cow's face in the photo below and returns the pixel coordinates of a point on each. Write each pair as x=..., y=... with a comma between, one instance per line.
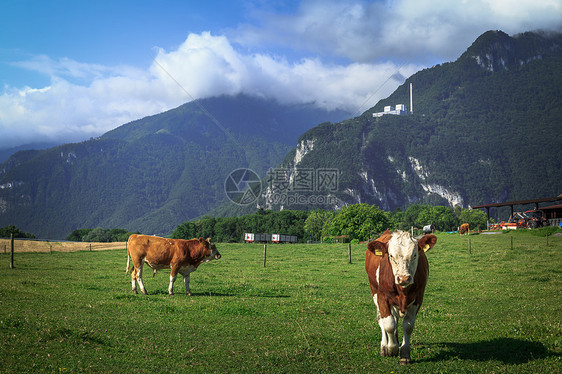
x=212, y=252
x=403, y=253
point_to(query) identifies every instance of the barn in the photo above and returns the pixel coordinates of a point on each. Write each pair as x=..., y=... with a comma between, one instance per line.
x=553, y=212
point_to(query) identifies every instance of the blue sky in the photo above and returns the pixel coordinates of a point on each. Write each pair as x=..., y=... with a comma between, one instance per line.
x=70, y=70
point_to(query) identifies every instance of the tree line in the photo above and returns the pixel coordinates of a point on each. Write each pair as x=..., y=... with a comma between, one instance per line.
x=359, y=222
x=99, y=235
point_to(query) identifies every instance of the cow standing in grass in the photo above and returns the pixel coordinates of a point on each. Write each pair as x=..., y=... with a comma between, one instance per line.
x=464, y=229
x=178, y=255
x=397, y=269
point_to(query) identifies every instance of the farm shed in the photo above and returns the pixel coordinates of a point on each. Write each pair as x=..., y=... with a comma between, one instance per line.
x=552, y=213
x=536, y=202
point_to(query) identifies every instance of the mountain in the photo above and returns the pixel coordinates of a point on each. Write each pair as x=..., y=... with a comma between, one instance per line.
x=485, y=128
x=152, y=174
x=5, y=153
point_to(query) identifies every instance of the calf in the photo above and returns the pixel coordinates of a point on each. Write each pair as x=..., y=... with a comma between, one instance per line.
x=397, y=269
x=178, y=255
x=464, y=229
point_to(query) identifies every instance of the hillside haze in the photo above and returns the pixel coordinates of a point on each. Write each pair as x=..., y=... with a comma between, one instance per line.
x=485, y=128
x=154, y=173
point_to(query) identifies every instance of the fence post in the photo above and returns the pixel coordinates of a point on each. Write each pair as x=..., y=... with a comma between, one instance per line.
x=469, y=247
x=12, y=251
x=90, y=247
x=264, y=253
x=349, y=252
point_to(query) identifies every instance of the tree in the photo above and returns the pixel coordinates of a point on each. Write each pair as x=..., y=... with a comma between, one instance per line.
x=6, y=231
x=318, y=223
x=98, y=235
x=184, y=231
x=396, y=219
x=205, y=227
x=360, y=221
x=77, y=235
x=228, y=230
x=411, y=215
x=476, y=218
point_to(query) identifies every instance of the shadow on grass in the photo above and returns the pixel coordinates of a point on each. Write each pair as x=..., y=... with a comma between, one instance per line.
x=507, y=350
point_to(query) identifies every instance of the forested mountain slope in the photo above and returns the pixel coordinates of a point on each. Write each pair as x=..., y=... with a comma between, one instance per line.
x=151, y=174
x=485, y=128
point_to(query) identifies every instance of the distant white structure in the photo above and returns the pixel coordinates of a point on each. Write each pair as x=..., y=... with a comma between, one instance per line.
x=400, y=110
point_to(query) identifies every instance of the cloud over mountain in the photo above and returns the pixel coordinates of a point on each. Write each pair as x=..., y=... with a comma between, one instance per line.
x=345, y=55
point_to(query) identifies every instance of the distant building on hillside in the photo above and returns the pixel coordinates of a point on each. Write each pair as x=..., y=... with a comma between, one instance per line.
x=399, y=111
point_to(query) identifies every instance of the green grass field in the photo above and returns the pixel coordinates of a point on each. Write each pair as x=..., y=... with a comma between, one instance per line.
x=309, y=310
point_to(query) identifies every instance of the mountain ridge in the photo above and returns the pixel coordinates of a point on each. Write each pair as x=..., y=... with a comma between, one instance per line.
x=484, y=129
x=151, y=174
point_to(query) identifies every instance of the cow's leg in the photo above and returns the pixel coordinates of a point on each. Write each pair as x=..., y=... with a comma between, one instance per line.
x=388, y=327
x=384, y=339
x=134, y=280
x=173, y=276
x=389, y=341
x=186, y=275
x=139, y=278
x=408, y=328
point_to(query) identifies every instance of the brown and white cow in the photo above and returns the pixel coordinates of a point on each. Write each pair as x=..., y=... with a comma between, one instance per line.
x=178, y=255
x=398, y=269
x=464, y=229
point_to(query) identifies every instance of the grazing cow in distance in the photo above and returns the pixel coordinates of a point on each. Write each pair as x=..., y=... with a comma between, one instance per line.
x=429, y=229
x=464, y=229
x=178, y=255
x=397, y=269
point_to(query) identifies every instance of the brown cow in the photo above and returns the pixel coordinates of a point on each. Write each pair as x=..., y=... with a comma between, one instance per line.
x=181, y=256
x=398, y=269
x=464, y=229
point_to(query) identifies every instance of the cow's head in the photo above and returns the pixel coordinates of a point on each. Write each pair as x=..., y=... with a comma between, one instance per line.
x=212, y=252
x=403, y=254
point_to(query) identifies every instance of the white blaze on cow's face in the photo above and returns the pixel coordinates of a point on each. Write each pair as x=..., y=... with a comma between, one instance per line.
x=403, y=255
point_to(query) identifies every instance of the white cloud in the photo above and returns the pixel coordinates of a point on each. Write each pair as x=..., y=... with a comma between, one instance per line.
x=203, y=66
x=371, y=39
x=410, y=30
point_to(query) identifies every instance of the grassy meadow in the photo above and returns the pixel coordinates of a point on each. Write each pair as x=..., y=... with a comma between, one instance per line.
x=494, y=310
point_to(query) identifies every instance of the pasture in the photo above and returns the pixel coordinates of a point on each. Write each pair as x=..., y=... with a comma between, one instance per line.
x=309, y=310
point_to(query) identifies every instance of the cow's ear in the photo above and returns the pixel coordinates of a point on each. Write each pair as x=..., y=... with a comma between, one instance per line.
x=209, y=240
x=427, y=242
x=378, y=248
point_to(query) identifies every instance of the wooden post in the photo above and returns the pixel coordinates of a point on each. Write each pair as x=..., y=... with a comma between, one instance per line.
x=511, y=238
x=469, y=247
x=12, y=251
x=264, y=253
x=349, y=252
x=90, y=247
